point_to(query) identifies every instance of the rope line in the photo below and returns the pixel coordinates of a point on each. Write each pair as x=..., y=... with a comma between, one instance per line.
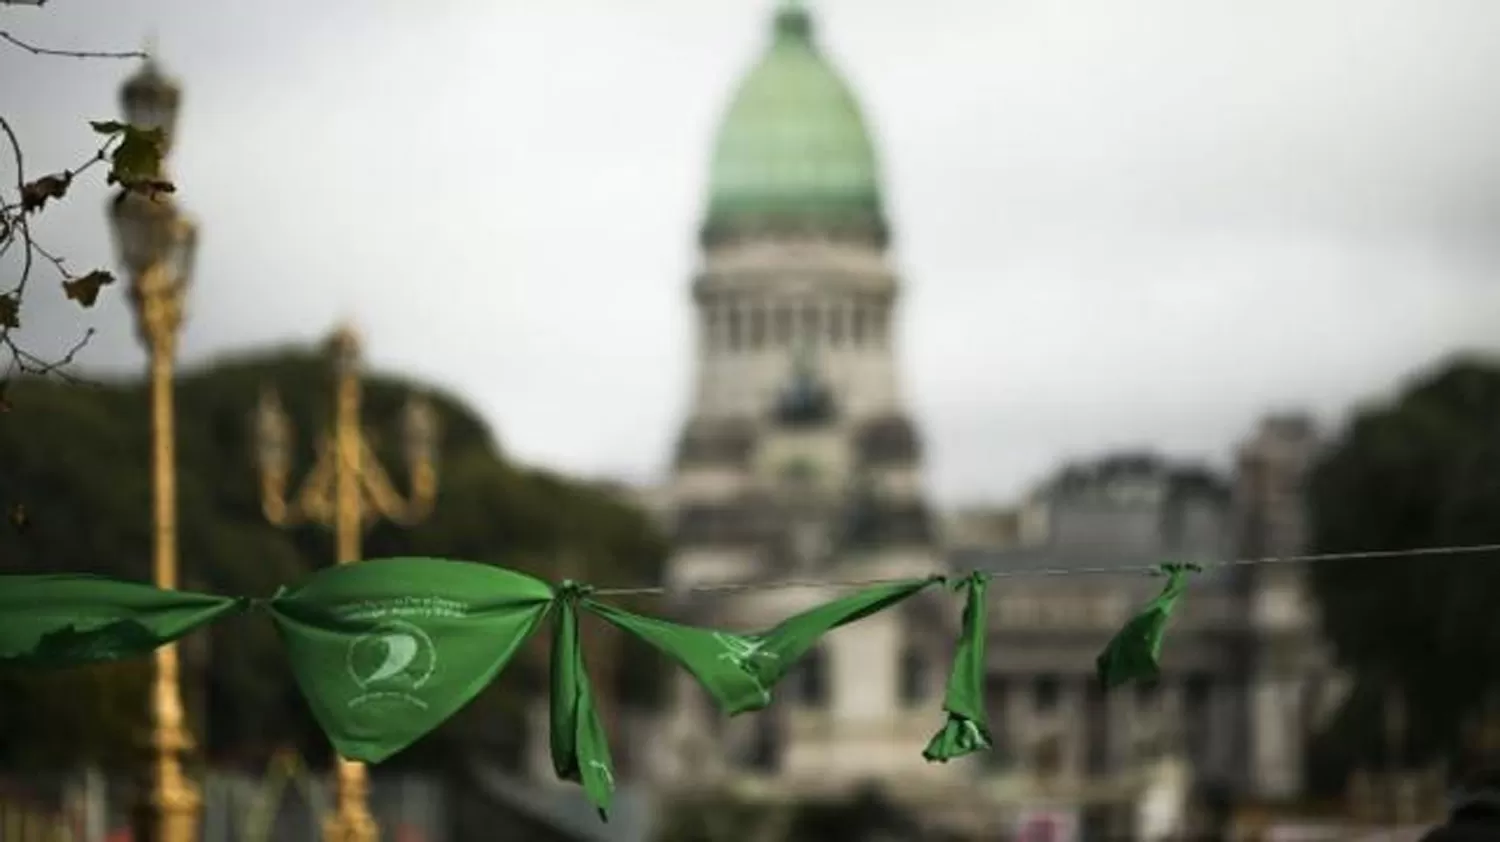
x=1153, y=569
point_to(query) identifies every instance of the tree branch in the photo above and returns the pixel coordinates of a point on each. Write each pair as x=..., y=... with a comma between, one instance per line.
x=131, y=151
x=18, y=223
x=48, y=51
x=15, y=225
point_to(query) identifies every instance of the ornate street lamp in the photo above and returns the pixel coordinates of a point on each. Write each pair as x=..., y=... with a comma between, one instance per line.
x=346, y=491
x=151, y=100
x=156, y=246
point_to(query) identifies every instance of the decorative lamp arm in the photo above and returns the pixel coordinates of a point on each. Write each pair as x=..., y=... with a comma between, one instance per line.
x=421, y=431
x=315, y=501
x=273, y=502
x=382, y=493
x=273, y=446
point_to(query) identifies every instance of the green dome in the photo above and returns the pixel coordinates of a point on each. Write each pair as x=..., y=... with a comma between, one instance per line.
x=793, y=152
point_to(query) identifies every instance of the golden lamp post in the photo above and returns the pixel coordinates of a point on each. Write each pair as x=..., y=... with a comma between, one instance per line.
x=346, y=490
x=156, y=244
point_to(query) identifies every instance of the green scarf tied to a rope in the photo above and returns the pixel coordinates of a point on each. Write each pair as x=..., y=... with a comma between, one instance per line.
x=580, y=746
x=739, y=670
x=1134, y=654
x=67, y=620
x=386, y=650
x=967, y=729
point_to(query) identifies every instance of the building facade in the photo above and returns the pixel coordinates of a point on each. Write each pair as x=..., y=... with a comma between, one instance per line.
x=800, y=459
x=1295, y=687
x=1130, y=512
x=1245, y=677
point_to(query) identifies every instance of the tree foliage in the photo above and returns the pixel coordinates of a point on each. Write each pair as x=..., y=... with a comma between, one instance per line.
x=1420, y=471
x=77, y=459
x=134, y=157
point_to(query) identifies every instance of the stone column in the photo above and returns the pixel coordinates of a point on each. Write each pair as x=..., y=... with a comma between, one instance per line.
x=838, y=326
x=1222, y=728
x=1002, y=712
x=1275, y=717
x=1296, y=696
x=685, y=732
x=1073, y=716
x=1121, y=729
x=1171, y=715
x=1019, y=719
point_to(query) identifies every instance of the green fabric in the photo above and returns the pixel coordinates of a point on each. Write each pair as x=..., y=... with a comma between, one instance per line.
x=67, y=620
x=739, y=670
x=580, y=748
x=386, y=650
x=1134, y=654
x=967, y=729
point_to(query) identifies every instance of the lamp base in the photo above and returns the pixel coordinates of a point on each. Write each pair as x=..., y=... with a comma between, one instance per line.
x=355, y=827
x=172, y=815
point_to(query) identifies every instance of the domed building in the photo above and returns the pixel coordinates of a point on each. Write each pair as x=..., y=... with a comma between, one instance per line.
x=794, y=154
x=795, y=404
x=793, y=239
x=799, y=457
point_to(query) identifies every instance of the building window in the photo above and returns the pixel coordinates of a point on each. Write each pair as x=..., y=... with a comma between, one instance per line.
x=812, y=679
x=1196, y=691
x=709, y=713
x=810, y=322
x=1048, y=692
x=913, y=677
x=1147, y=693
x=757, y=328
x=765, y=744
x=734, y=328
x=997, y=704
x=857, y=325
x=1047, y=757
x=782, y=326
x=836, y=327
x=799, y=473
x=1097, y=734
x=712, y=328
x=1198, y=715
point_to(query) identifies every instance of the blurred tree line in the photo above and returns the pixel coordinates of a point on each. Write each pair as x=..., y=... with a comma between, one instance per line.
x=1421, y=635
x=76, y=484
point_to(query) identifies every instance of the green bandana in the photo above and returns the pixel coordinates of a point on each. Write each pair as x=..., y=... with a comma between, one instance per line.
x=739, y=670
x=967, y=729
x=385, y=650
x=580, y=748
x=1135, y=652
x=67, y=620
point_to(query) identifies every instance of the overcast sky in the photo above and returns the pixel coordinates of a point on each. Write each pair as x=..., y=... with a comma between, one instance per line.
x=1120, y=224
